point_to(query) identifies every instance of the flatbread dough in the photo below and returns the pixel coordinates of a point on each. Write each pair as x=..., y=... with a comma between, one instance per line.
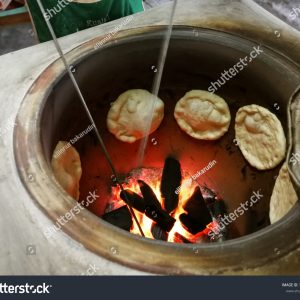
x=260, y=136
x=283, y=197
x=130, y=115
x=202, y=115
x=66, y=167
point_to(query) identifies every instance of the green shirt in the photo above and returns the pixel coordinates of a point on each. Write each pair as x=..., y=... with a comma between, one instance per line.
x=67, y=17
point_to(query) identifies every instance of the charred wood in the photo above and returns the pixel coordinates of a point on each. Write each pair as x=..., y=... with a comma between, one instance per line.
x=158, y=233
x=160, y=217
x=180, y=239
x=170, y=181
x=134, y=200
x=148, y=195
x=149, y=205
x=120, y=217
x=218, y=209
x=197, y=215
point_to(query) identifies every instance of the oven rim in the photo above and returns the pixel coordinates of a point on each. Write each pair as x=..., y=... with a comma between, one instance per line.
x=30, y=159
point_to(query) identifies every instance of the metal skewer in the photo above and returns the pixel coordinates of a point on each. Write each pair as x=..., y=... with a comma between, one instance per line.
x=108, y=158
x=156, y=83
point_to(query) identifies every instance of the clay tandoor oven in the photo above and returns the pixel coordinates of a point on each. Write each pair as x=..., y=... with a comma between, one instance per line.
x=51, y=111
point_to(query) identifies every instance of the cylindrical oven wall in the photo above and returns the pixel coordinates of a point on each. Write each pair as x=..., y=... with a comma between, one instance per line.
x=193, y=62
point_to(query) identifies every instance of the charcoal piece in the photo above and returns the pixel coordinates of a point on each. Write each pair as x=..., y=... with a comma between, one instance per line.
x=218, y=209
x=219, y=238
x=158, y=233
x=120, y=217
x=180, y=239
x=210, y=200
x=196, y=207
x=170, y=181
x=216, y=206
x=210, y=203
x=148, y=195
x=197, y=215
x=220, y=231
x=208, y=192
x=154, y=210
x=134, y=200
x=160, y=217
x=190, y=224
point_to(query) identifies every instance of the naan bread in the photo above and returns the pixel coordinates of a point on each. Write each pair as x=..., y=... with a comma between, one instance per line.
x=66, y=167
x=202, y=115
x=283, y=197
x=130, y=114
x=260, y=137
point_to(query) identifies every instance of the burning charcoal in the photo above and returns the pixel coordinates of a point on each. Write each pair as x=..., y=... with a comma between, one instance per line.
x=120, y=217
x=158, y=233
x=148, y=194
x=154, y=210
x=208, y=192
x=210, y=200
x=197, y=215
x=170, y=181
x=218, y=227
x=191, y=225
x=160, y=217
x=134, y=200
x=218, y=234
x=180, y=239
x=218, y=208
x=200, y=238
x=196, y=207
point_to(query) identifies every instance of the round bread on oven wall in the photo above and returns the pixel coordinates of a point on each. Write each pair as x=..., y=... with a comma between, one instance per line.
x=283, y=197
x=129, y=116
x=202, y=115
x=260, y=137
x=66, y=167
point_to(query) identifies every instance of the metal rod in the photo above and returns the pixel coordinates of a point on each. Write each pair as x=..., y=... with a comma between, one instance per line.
x=59, y=50
x=156, y=83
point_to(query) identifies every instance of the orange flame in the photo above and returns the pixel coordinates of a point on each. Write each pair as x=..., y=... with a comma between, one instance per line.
x=186, y=191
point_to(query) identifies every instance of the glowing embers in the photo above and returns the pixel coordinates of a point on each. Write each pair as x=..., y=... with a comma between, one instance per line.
x=164, y=214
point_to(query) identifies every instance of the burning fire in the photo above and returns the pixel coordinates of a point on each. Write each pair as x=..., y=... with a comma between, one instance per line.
x=186, y=191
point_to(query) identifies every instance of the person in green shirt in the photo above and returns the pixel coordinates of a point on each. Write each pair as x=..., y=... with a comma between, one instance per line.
x=69, y=16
